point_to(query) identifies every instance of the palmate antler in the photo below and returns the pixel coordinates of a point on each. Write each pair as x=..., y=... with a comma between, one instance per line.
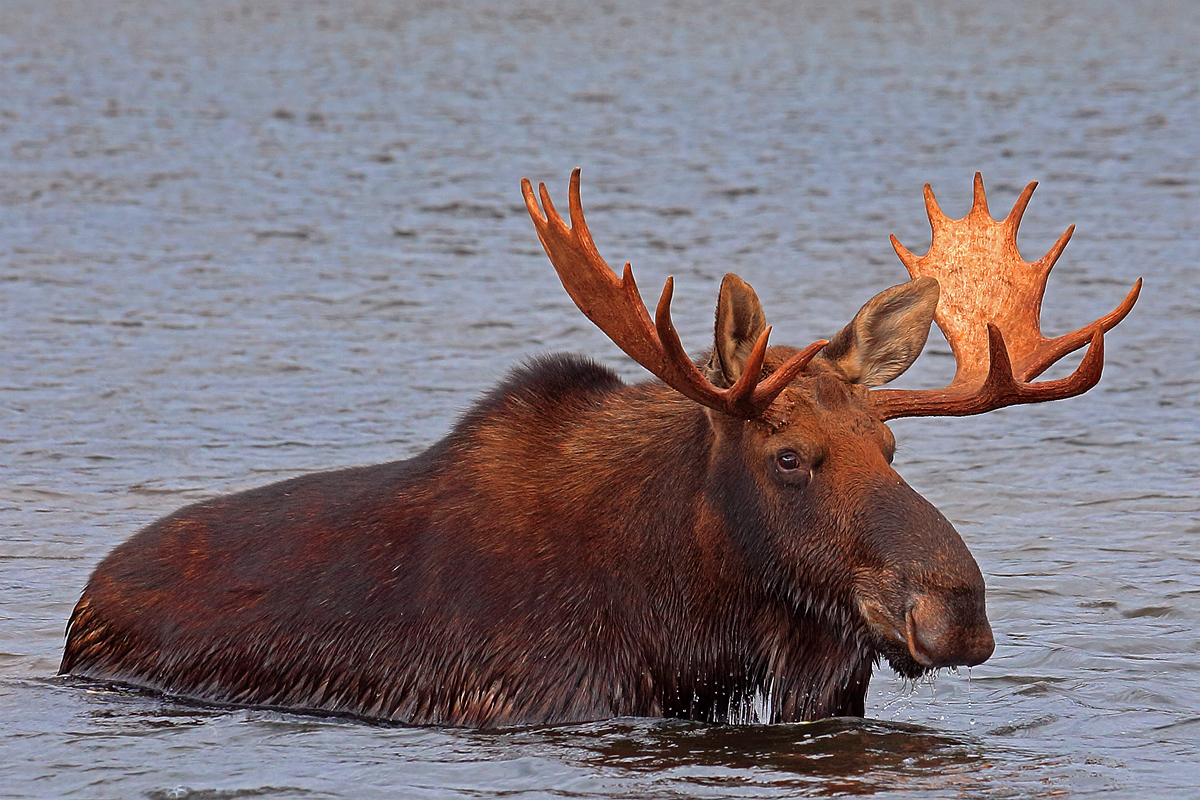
x=990, y=311
x=615, y=306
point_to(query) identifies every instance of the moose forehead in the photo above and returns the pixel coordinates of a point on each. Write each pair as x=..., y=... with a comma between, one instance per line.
x=822, y=407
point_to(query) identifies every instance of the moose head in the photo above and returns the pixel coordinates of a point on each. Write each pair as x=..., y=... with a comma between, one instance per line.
x=800, y=464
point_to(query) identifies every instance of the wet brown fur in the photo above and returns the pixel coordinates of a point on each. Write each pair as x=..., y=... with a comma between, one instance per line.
x=575, y=549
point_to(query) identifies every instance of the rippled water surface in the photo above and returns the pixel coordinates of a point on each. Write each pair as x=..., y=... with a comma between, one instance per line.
x=260, y=239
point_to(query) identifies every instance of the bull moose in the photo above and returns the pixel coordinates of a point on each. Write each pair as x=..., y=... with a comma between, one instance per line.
x=726, y=543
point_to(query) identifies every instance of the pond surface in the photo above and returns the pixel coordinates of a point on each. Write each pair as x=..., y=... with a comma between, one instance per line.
x=267, y=238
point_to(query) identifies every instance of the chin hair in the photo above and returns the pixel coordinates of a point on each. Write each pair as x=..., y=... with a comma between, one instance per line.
x=901, y=661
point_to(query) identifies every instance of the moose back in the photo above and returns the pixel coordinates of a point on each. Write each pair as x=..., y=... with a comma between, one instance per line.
x=726, y=543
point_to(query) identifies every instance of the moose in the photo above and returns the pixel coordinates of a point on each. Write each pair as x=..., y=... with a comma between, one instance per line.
x=727, y=543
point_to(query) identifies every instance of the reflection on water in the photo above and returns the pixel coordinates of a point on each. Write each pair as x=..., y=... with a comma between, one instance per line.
x=636, y=757
x=830, y=757
x=252, y=240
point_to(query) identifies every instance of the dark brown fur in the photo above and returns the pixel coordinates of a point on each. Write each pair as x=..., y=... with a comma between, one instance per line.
x=575, y=549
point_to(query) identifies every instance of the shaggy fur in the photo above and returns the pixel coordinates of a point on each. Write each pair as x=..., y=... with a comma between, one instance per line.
x=575, y=549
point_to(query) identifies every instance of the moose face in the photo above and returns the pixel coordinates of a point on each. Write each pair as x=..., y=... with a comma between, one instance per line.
x=838, y=527
x=835, y=526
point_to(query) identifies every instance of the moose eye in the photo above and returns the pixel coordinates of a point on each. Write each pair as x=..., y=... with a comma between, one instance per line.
x=791, y=469
x=788, y=461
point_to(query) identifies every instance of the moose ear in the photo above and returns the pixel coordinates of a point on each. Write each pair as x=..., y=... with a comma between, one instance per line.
x=740, y=321
x=886, y=335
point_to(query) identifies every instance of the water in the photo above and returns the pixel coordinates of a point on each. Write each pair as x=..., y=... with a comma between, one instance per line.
x=264, y=239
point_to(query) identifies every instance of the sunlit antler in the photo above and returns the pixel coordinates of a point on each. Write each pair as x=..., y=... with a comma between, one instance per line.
x=990, y=312
x=615, y=306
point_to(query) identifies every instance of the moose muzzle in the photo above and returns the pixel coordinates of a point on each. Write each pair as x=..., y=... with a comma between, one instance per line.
x=948, y=631
x=925, y=594
x=938, y=629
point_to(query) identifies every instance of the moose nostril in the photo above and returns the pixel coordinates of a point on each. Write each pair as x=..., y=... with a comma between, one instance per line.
x=923, y=650
x=948, y=633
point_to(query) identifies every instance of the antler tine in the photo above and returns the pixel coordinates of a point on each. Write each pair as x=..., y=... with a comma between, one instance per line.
x=777, y=381
x=1054, y=349
x=1046, y=263
x=745, y=388
x=933, y=210
x=575, y=207
x=979, y=204
x=1013, y=220
x=990, y=311
x=616, y=307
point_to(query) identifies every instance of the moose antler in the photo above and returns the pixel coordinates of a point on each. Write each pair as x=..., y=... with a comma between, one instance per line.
x=616, y=307
x=990, y=311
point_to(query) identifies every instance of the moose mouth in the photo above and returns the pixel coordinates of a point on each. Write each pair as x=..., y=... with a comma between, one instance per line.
x=933, y=632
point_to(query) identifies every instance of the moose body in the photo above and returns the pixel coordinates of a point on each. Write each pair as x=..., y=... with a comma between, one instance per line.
x=518, y=571
x=728, y=545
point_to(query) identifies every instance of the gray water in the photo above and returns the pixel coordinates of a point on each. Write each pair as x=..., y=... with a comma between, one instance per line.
x=261, y=239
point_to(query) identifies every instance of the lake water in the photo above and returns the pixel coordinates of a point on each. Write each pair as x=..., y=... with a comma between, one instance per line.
x=260, y=239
